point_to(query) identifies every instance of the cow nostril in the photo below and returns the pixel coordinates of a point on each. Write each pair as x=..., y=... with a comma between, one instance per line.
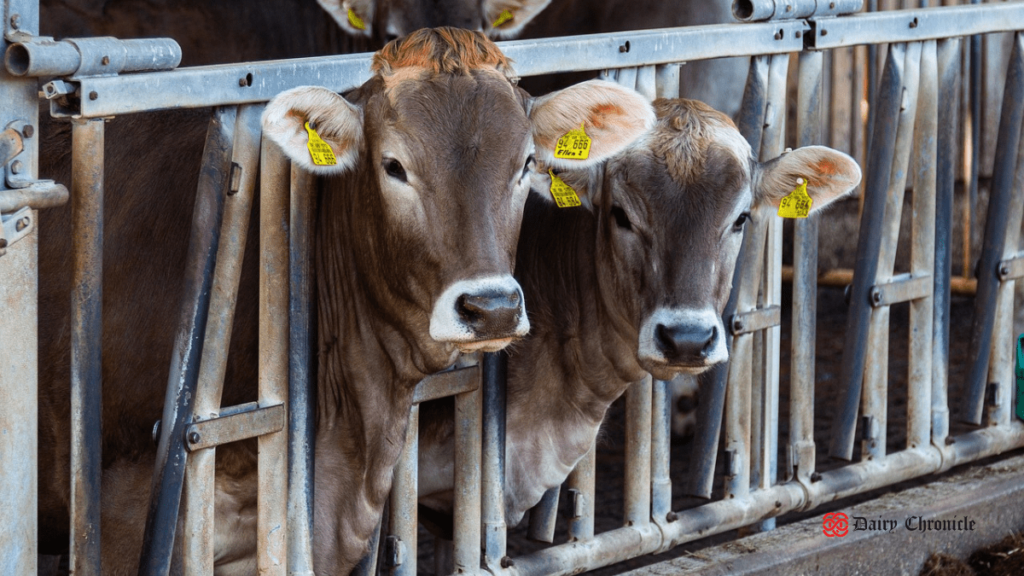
x=706, y=350
x=490, y=313
x=686, y=342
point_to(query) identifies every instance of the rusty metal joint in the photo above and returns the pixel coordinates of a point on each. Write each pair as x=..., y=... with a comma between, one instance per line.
x=394, y=552
x=14, y=227
x=448, y=383
x=755, y=320
x=11, y=145
x=578, y=501
x=1011, y=269
x=250, y=423
x=902, y=288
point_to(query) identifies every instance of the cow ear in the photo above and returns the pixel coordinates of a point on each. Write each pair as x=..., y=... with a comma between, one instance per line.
x=612, y=117
x=354, y=16
x=334, y=120
x=829, y=174
x=579, y=182
x=507, y=18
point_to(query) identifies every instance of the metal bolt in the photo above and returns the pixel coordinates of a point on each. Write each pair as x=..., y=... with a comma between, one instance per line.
x=625, y=47
x=824, y=32
x=1004, y=271
x=778, y=503
x=737, y=325
x=789, y=7
x=17, y=166
x=93, y=95
x=28, y=131
x=241, y=82
x=507, y=562
x=950, y=440
x=194, y=437
x=876, y=296
x=671, y=516
x=831, y=5
x=797, y=34
x=780, y=34
x=15, y=21
x=815, y=477
x=105, y=60
x=913, y=23
x=22, y=224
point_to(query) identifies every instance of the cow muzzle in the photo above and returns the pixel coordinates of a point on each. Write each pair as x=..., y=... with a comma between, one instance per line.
x=686, y=340
x=480, y=314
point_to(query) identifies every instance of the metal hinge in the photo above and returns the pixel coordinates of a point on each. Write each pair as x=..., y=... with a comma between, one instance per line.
x=14, y=227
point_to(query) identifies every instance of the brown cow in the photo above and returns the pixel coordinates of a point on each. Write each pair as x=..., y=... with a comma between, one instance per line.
x=637, y=285
x=415, y=243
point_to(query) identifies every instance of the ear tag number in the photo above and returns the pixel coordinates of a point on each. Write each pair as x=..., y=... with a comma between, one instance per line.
x=505, y=16
x=575, y=145
x=797, y=204
x=355, y=20
x=564, y=195
x=319, y=150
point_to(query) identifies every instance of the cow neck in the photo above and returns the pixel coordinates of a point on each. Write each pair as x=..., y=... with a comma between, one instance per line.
x=580, y=357
x=365, y=378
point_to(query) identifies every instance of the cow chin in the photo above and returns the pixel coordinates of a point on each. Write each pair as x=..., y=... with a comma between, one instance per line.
x=484, y=345
x=663, y=371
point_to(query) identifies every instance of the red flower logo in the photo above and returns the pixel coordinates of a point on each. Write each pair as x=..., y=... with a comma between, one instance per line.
x=835, y=524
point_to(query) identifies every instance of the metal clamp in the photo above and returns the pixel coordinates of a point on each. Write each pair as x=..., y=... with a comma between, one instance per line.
x=902, y=288
x=394, y=551
x=755, y=320
x=14, y=227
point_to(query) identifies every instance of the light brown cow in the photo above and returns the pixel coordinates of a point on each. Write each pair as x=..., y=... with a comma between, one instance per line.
x=637, y=285
x=415, y=244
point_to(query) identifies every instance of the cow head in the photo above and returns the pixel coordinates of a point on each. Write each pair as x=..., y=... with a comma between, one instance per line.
x=390, y=19
x=435, y=152
x=671, y=214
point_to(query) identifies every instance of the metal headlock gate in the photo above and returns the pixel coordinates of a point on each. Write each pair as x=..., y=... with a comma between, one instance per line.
x=912, y=140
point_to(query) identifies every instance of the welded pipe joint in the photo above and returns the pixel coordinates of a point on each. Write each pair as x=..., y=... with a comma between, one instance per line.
x=763, y=10
x=103, y=56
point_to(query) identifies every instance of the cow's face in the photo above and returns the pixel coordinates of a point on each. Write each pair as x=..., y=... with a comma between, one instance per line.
x=390, y=19
x=671, y=217
x=442, y=146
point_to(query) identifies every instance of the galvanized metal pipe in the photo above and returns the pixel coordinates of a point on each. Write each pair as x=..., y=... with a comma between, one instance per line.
x=949, y=68
x=165, y=496
x=581, y=485
x=759, y=10
x=1007, y=143
x=271, y=522
x=661, y=451
x=868, y=240
x=805, y=285
x=876, y=371
x=90, y=56
x=468, y=432
x=200, y=490
x=638, y=454
x=495, y=379
x=403, y=517
x=301, y=372
x=86, y=345
x=543, y=517
x=667, y=80
x=922, y=250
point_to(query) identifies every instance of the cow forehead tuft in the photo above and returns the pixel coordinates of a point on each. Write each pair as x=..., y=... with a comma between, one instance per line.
x=686, y=133
x=442, y=51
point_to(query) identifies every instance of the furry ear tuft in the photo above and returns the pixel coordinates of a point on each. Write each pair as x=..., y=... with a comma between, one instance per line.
x=337, y=122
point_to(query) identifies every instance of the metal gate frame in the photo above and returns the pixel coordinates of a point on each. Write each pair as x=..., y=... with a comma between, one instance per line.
x=923, y=60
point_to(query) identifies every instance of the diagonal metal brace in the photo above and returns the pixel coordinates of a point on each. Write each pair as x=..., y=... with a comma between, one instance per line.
x=249, y=423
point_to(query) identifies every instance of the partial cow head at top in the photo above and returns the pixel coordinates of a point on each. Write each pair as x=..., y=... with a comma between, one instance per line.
x=671, y=212
x=433, y=165
x=390, y=19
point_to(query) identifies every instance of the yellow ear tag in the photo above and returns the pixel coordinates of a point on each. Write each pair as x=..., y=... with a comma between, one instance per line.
x=563, y=194
x=574, y=145
x=319, y=150
x=355, y=20
x=797, y=204
x=505, y=16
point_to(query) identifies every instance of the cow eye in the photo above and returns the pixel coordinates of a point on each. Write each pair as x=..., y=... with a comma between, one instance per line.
x=394, y=169
x=529, y=164
x=620, y=217
x=737, y=226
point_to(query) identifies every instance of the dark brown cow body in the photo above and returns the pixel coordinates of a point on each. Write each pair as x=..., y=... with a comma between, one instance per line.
x=632, y=283
x=415, y=245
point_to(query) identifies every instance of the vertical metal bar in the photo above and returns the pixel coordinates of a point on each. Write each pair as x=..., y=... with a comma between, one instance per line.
x=922, y=250
x=495, y=378
x=86, y=344
x=949, y=68
x=805, y=285
x=468, y=432
x=403, y=511
x=646, y=82
x=200, y=490
x=165, y=496
x=301, y=374
x=543, y=517
x=19, y=375
x=272, y=510
x=667, y=80
x=661, y=451
x=876, y=372
x=626, y=77
x=972, y=134
x=995, y=231
x=882, y=148
x=638, y=453
x=581, y=484
x=755, y=99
